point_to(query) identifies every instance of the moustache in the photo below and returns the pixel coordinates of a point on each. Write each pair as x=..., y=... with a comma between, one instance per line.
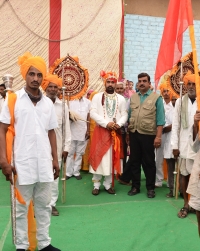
x=141, y=85
x=34, y=82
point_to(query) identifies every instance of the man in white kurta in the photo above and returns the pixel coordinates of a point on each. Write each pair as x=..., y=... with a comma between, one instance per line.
x=165, y=92
x=79, y=137
x=2, y=95
x=193, y=186
x=108, y=110
x=181, y=132
x=51, y=85
x=35, y=153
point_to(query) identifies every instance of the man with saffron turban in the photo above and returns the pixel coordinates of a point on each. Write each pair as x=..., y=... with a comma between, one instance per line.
x=50, y=85
x=35, y=152
x=108, y=110
x=182, y=130
x=165, y=150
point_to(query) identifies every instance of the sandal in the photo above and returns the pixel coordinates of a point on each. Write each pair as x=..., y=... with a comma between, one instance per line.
x=170, y=195
x=183, y=212
x=192, y=210
x=95, y=191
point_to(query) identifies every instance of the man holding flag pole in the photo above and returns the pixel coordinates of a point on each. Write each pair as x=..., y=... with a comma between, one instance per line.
x=179, y=18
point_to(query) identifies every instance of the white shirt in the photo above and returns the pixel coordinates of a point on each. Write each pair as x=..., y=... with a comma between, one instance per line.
x=184, y=146
x=58, y=131
x=1, y=102
x=169, y=111
x=32, y=149
x=79, y=128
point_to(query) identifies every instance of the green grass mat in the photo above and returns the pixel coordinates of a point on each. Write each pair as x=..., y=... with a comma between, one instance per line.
x=111, y=222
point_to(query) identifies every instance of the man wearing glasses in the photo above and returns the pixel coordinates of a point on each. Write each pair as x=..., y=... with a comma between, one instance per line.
x=146, y=122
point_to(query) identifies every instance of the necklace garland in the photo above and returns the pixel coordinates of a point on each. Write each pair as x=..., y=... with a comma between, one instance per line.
x=110, y=106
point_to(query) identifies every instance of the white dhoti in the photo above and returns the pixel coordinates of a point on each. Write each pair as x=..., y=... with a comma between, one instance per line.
x=55, y=190
x=74, y=164
x=41, y=195
x=159, y=162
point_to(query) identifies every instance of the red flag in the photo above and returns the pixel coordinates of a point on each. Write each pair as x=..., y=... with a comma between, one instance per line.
x=179, y=17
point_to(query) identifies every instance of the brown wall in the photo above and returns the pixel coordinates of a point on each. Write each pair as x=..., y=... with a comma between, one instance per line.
x=156, y=8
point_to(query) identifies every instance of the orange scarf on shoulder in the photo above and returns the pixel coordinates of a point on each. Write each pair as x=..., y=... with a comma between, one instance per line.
x=12, y=97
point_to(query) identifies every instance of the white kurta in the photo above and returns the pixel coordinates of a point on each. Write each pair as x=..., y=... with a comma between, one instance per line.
x=79, y=128
x=1, y=103
x=169, y=113
x=184, y=148
x=58, y=131
x=32, y=149
x=194, y=182
x=99, y=115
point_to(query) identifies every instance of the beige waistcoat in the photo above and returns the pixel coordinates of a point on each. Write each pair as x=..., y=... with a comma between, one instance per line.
x=143, y=116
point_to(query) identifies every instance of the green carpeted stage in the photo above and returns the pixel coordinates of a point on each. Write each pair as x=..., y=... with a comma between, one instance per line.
x=111, y=222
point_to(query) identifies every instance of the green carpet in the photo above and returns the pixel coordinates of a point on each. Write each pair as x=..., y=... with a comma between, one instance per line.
x=111, y=222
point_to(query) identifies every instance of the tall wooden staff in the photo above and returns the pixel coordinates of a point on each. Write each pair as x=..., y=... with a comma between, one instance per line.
x=177, y=166
x=63, y=194
x=8, y=81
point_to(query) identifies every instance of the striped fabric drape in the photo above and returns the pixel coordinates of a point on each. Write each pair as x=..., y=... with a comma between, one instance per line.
x=52, y=29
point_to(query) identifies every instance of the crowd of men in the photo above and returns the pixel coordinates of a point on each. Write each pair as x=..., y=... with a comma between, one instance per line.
x=141, y=124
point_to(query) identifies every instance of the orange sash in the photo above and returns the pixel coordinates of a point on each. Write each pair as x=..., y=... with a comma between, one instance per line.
x=102, y=140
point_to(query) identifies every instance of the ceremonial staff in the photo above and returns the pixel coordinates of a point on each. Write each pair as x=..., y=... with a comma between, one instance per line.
x=63, y=194
x=8, y=81
x=177, y=166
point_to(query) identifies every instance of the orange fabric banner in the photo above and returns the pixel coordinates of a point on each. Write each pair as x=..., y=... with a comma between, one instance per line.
x=179, y=17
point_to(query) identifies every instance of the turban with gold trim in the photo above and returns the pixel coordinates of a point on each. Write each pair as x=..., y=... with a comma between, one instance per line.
x=27, y=60
x=108, y=75
x=51, y=78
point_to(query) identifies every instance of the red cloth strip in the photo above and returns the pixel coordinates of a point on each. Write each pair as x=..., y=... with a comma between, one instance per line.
x=121, y=52
x=54, y=30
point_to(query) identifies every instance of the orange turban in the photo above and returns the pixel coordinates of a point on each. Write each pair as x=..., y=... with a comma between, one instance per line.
x=164, y=86
x=108, y=75
x=51, y=78
x=27, y=60
x=189, y=77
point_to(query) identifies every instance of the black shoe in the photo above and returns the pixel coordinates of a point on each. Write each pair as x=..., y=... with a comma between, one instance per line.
x=50, y=248
x=20, y=249
x=79, y=177
x=133, y=191
x=151, y=194
x=54, y=211
x=68, y=177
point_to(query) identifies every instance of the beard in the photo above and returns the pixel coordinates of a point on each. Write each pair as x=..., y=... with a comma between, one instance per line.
x=110, y=89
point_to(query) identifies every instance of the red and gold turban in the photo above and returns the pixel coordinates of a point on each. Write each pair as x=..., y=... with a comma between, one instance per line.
x=27, y=60
x=189, y=77
x=51, y=78
x=108, y=75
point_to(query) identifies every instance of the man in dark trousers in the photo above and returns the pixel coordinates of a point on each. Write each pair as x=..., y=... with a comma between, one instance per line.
x=146, y=122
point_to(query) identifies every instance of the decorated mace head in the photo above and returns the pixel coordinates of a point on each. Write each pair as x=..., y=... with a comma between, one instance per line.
x=8, y=81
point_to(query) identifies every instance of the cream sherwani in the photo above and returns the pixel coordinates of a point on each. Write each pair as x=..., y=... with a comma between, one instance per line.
x=99, y=113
